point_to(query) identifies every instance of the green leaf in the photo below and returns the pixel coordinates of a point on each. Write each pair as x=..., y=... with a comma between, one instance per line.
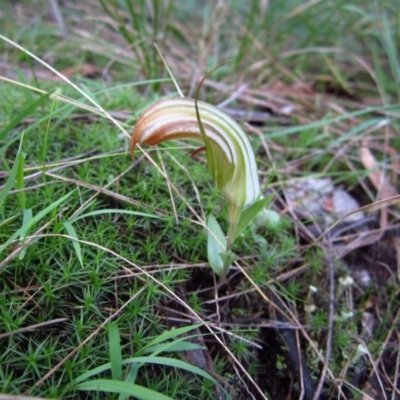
x=108, y=385
x=176, y=346
x=164, y=347
x=27, y=217
x=250, y=213
x=132, y=374
x=173, y=333
x=167, y=361
x=114, y=211
x=171, y=362
x=92, y=372
x=20, y=184
x=22, y=232
x=216, y=244
x=157, y=340
x=115, y=352
x=13, y=174
x=77, y=246
x=169, y=335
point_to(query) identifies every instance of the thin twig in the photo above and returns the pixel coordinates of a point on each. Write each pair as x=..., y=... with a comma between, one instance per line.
x=32, y=327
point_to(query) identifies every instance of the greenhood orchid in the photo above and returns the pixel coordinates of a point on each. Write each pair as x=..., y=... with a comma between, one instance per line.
x=230, y=159
x=229, y=154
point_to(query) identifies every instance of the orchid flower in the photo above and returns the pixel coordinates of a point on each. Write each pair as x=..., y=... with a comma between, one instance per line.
x=230, y=159
x=229, y=154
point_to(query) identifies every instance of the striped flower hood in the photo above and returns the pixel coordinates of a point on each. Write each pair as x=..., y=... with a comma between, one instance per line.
x=230, y=157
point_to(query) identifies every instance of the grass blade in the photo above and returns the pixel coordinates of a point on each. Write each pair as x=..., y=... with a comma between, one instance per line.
x=13, y=174
x=108, y=385
x=20, y=184
x=27, y=217
x=77, y=246
x=171, y=334
x=114, y=211
x=324, y=122
x=90, y=373
x=176, y=346
x=391, y=51
x=115, y=353
x=170, y=362
x=25, y=228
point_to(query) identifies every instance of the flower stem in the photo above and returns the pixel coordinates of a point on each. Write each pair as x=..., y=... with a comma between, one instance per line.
x=234, y=215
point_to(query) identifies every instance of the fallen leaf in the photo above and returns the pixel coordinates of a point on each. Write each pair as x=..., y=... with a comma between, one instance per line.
x=376, y=175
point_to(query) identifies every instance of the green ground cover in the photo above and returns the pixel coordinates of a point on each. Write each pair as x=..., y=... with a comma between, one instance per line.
x=102, y=256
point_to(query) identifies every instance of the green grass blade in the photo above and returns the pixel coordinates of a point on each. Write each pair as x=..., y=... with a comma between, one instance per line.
x=170, y=362
x=11, y=179
x=115, y=352
x=132, y=374
x=8, y=220
x=391, y=51
x=134, y=361
x=92, y=372
x=27, y=217
x=176, y=346
x=25, y=228
x=108, y=385
x=167, y=361
x=362, y=127
x=20, y=184
x=171, y=334
x=114, y=211
x=13, y=174
x=328, y=121
x=75, y=243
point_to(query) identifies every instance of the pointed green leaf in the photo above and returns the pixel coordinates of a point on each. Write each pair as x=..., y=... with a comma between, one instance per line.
x=167, y=361
x=25, y=228
x=176, y=346
x=109, y=385
x=13, y=174
x=216, y=244
x=112, y=211
x=26, y=219
x=115, y=352
x=250, y=213
x=77, y=246
x=20, y=184
x=171, y=362
x=171, y=334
